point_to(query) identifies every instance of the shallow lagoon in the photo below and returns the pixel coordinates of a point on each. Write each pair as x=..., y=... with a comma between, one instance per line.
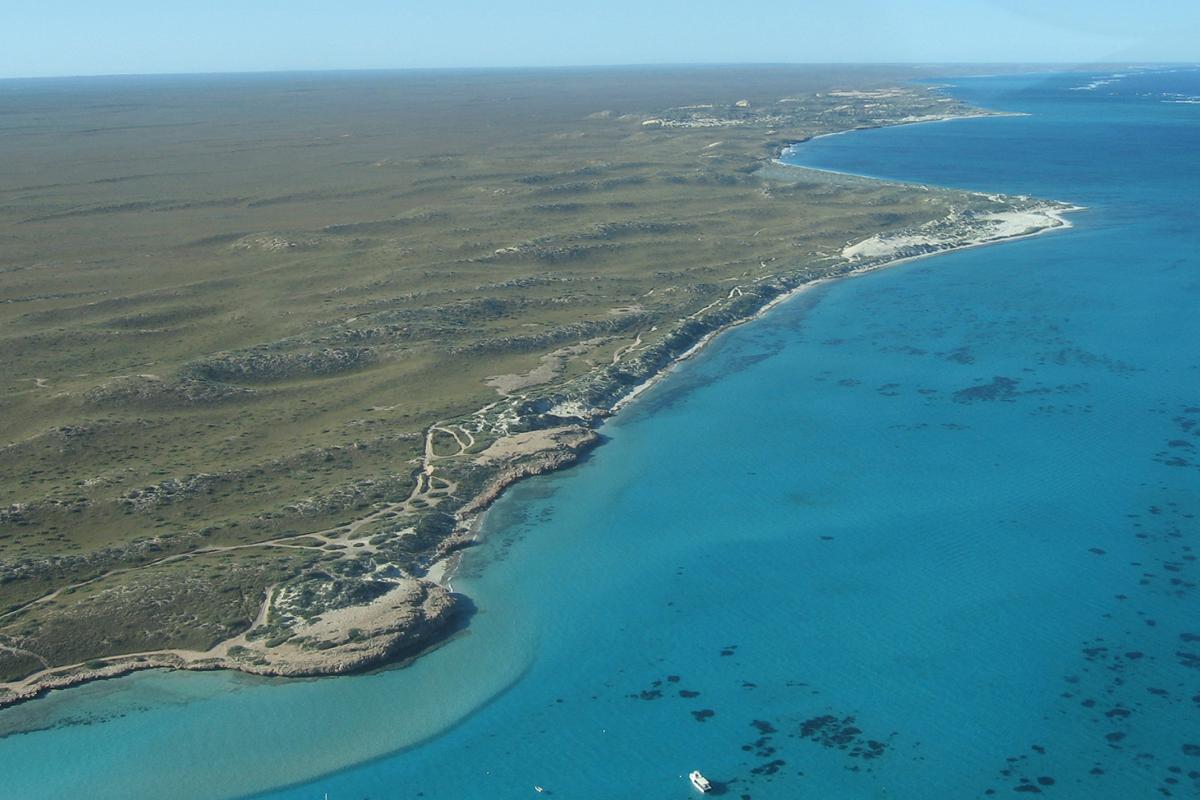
x=928, y=532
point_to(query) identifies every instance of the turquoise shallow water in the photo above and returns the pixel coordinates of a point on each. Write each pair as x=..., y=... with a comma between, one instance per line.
x=925, y=533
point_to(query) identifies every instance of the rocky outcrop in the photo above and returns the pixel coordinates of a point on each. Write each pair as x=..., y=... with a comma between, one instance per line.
x=413, y=616
x=552, y=450
x=168, y=491
x=264, y=365
x=150, y=390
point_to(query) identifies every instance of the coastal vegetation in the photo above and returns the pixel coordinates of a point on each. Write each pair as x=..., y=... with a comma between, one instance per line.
x=269, y=343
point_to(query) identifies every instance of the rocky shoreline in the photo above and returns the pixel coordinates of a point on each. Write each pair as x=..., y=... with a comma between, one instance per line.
x=414, y=616
x=396, y=610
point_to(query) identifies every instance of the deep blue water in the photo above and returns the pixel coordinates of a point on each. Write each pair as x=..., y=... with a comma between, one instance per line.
x=930, y=532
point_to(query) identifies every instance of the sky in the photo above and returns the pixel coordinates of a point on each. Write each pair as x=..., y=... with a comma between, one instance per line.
x=102, y=37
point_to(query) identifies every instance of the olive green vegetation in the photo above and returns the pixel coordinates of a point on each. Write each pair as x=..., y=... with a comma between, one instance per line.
x=231, y=306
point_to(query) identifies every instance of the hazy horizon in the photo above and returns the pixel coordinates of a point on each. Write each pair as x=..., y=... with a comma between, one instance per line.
x=931, y=66
x=70, y=38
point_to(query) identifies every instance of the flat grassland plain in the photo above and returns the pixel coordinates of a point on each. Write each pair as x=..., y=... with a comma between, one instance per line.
x=268, y=343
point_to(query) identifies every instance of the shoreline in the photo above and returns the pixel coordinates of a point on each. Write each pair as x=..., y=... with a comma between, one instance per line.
x=446, y=567
x=398, y=636
x=951, y=118
x=985, y=114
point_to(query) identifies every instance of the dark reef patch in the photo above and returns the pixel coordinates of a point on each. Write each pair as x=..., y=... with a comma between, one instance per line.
x=1189, y=660
x=1000, y=389
x=770, y=767
x=841, y=734
x=962, y=355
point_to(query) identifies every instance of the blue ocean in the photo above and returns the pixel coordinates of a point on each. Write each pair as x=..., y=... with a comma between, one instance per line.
x=931, y=532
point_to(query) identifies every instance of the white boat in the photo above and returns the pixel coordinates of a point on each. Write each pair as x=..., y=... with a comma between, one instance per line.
x=700, y=782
